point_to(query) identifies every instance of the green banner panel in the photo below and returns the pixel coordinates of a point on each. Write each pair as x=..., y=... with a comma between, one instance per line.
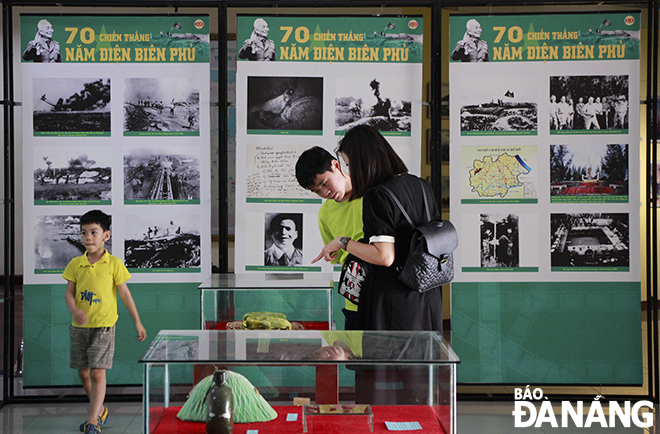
x=548, y=332
x=560, y=37
x=171, y=306
x=327, y=39
x=125, y=39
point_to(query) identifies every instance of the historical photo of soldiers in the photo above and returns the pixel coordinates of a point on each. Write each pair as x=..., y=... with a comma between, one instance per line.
x=161, y=174
x=285, y=103
x=499, y=241
x=283, y=239
x=71, y=104
x=161, y=104
x=589, y=102
x=72, y=174
x=162, y=240
x=589, y=170
x=57, y=240
x=590, y=239
x=382, y=103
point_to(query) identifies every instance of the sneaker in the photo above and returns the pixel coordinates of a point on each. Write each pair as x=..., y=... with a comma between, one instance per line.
x=91, y=428
x=102, y=419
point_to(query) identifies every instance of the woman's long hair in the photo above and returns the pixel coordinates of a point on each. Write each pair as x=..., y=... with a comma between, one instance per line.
x=371, y=159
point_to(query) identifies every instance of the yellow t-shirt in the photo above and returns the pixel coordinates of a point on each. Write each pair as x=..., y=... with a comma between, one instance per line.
x=341, y=219
x=96, y=287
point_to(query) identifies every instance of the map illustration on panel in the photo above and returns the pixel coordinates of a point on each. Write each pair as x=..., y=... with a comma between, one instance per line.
x=499, y=174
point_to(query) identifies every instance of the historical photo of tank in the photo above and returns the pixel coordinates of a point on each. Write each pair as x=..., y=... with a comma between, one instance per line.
x=163, y=174
x=382, y=103
x=578, y=172
x=57, y=241
x=67, y=105
x=590, y=240
x=283, y=239
x=285, y=103
x=72, y=174
x=161, y=105
x=499, y=241
x=589, y=102
x=162, y=240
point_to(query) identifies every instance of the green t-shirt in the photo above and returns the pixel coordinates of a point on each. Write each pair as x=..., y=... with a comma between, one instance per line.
x=341, y=219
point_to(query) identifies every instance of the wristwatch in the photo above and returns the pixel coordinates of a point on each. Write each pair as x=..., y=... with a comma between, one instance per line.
x=342, y=242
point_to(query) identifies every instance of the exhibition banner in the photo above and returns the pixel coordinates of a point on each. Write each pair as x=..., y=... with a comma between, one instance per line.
x=544, y=130
x=303, y=81
x=116, y=117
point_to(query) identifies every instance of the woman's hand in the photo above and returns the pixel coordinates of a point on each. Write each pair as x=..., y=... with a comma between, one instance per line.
x=329, y=252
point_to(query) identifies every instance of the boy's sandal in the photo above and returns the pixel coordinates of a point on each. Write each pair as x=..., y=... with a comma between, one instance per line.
x=91, y=428
x=105, y=418
x=102, y=419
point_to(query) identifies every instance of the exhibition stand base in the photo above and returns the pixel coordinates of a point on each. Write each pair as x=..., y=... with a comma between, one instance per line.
x=422, y=414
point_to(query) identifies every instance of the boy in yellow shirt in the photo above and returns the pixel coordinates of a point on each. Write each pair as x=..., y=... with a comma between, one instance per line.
x=319, y=171
x=93, y=281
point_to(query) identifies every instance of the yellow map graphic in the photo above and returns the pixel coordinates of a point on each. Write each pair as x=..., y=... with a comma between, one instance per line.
x=495, y=178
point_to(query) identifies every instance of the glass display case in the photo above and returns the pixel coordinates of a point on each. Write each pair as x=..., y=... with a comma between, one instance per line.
x=406, y=378
x=305, y=299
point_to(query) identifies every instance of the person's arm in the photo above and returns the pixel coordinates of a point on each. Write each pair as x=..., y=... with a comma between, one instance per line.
x=459, y=51
x=79, y=316
x=127, y=298
x=375, y=253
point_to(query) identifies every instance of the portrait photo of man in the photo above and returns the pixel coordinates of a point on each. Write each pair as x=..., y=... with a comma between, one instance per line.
x=43, y=48
x=258, y=46
x=283, y=240
x=471, y=48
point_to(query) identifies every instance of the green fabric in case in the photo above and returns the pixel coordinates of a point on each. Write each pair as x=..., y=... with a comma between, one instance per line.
x=249, y=405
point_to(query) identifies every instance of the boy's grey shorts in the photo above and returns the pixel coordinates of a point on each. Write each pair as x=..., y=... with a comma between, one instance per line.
x=92, y=347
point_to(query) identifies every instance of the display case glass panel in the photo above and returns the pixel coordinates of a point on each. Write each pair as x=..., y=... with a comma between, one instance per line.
x=305, y=299
x=406, y=377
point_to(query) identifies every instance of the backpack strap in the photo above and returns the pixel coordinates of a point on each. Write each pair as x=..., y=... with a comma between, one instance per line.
x=426, y=200
x=396, y=200
x=403, y=211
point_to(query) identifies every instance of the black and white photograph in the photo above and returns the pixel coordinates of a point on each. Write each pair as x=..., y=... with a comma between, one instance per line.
x=377, y=101
x=590, y=240
x=161, y=105
x=72, y=174
x=57, y=240
x=285, y=103
x=156, y=174
x=589, y=170
x=499, y=241
x=162, y=240
x=176, y=348
x=71, y=105
x=283, y=239
x=589, y=102
x=503, y=112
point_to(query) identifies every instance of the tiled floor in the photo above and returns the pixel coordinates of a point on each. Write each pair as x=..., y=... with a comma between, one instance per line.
x=126, y=418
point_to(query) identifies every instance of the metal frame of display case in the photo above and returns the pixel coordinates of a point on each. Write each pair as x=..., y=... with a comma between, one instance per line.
x=404, y=352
